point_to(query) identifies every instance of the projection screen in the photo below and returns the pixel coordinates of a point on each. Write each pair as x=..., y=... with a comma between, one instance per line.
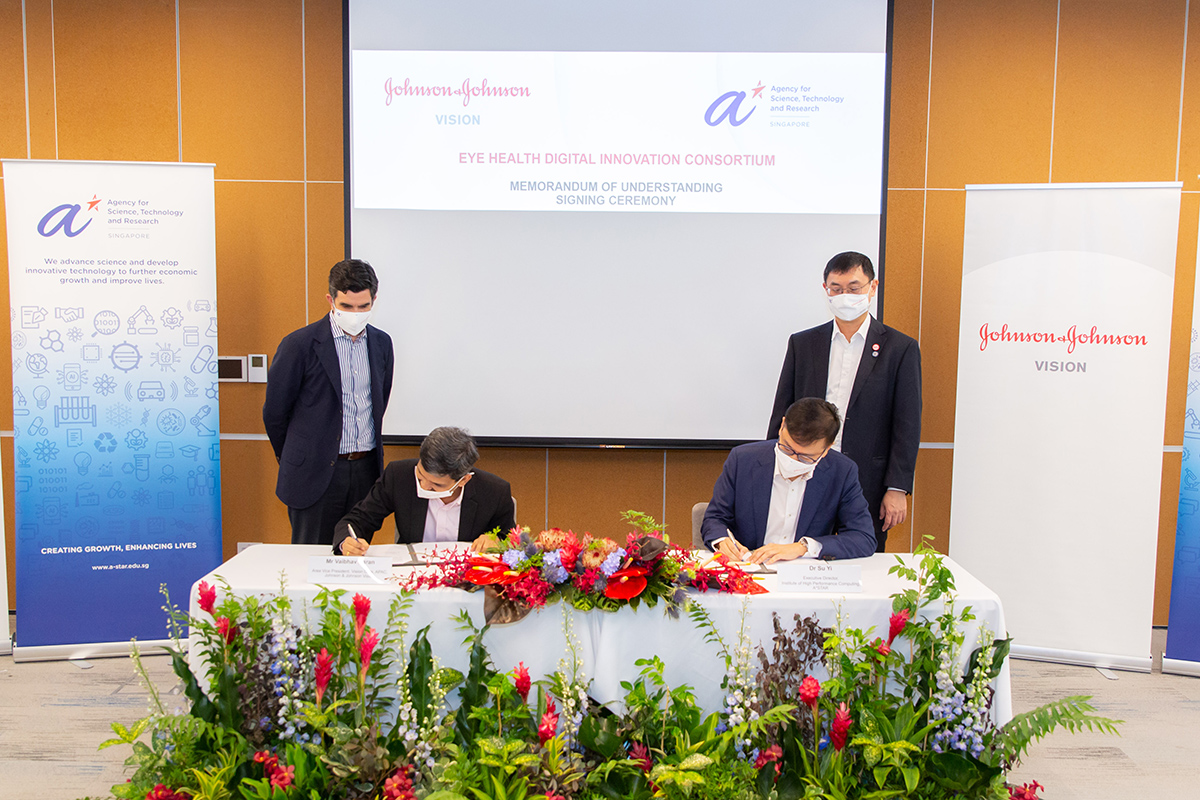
x=598, y=223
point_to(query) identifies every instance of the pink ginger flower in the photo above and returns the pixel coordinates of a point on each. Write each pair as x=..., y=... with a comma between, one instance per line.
x=362, y=607
x=810, y=690
x=549, y=724
x=841, y=725
x=896, y=624
x=365, y=649
x=208, y=597
x=324, y=673
x=522, y=682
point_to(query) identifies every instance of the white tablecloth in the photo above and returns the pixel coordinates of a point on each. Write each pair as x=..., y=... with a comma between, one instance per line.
x=612, y=642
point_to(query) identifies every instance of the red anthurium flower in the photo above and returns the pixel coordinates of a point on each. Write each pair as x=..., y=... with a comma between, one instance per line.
x=324, y=673
x=897, y=624
x=841, y=724
x=362, y=607
x=282, y=777
x=810, y=690
x=365, y=649
x=549, y=723
x=485, y=571
x=208, y=597
x=227, y=630
x=522, y=682
x=627, y=583
x=882, y=648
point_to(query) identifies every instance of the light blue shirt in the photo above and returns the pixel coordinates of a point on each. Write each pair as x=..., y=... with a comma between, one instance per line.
x=358, y=427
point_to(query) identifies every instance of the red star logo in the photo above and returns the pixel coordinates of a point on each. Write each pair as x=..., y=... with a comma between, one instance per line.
x=757, y=90
x=93, y=203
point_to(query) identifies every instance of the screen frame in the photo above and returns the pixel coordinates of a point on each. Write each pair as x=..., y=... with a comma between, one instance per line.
x=616, y=443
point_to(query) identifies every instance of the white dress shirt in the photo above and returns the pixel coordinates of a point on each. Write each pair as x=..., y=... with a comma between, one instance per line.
x=844, y=358
x=441, y=520
x=787, y=496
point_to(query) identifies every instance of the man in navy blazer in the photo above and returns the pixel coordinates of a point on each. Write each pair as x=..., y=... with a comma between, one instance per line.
x=780, y=500
x=327, y=390
x=875, y=382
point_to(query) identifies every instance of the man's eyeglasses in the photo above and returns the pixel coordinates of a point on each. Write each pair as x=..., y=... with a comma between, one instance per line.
x=803, y=458
x=834, y=291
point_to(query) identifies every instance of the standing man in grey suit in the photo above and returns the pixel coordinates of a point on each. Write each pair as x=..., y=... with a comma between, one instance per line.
x=327, y=389
x=872, y=373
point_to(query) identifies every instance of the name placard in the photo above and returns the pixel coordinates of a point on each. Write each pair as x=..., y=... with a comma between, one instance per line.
x=819, y=576
x=348, y=569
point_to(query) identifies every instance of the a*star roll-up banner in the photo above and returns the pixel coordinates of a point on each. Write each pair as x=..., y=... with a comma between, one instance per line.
x=112, y=274
x=1183, y=629
x=1062, y=384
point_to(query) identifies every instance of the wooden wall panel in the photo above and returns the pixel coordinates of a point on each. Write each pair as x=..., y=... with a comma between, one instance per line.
x=1189, y=153
x=260, y=273
x=1182, y=324
x=590, y=488
x=907, y=115
x=990, y=124
x=690, y=478
x=250, y=511
x=940, y=301
x=323, y=91
x=1168, y=512
x=902, y=272
x=39, y=59
x=930, y=510
x=117, y=92
x=525, y=469
x=12, y=82
x=1117, y=104
x=326, y=243
x=242, y=69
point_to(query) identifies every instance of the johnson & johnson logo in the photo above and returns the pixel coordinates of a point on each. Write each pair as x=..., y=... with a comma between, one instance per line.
x=468, y=90
x=1073, y=337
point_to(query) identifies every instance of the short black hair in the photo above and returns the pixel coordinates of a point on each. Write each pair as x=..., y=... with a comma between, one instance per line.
x=352, y=275
x=811, y=419
x=448, y=451
x=848, y=262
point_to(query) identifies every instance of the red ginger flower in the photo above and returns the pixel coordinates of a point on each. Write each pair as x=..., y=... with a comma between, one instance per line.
x=549, y=723
x=282, y=777
x=810, y=690
x=522, y=682
x=841, y=725
x=897, y=624
x=208, y=597
x=362, y=607
x=882, y=648
x=365, y=649
x=324, y=673
x=227, y=630
x=641, y=754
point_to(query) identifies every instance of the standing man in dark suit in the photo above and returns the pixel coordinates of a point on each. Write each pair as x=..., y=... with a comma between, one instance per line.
x=776, y=501
x=438, y=497
x=327, y=390
x=872, y=373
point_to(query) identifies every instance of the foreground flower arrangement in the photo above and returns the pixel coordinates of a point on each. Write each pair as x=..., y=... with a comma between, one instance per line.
x=521, y=572
x=345, y=711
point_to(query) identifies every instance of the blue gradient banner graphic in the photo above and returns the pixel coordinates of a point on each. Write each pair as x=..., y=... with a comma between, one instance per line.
x=1183, y=628
x=112, y=275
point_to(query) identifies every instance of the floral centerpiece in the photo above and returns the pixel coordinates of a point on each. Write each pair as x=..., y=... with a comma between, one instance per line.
x=523, y=572
x=337, y=710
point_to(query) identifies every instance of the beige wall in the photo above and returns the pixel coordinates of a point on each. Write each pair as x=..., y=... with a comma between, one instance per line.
x=1015, y=91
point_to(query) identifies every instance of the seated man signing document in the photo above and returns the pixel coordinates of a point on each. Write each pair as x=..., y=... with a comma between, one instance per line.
x=783, y=499
x=436, y=498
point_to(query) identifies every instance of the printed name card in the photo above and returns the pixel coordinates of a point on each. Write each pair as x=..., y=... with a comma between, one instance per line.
x=819, y=576
x=348, y=569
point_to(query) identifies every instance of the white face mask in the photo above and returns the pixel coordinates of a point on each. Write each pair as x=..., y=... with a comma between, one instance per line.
x=352, y=322
x=790, y=467
x=848, y=307
x=430, y=494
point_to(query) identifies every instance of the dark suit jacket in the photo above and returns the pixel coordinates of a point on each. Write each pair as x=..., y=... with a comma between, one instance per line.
x=833, y=511
x=487, y=504
x=883, y=418
x=303, y=408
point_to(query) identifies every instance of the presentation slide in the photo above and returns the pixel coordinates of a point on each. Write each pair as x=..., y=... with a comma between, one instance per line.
x=600, y=222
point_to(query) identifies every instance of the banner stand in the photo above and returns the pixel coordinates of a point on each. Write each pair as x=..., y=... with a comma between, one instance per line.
x=1082, y=659
x=69, y=652
x=5, y=633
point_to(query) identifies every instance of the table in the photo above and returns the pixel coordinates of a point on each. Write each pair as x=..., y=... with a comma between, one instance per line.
x=612, y=642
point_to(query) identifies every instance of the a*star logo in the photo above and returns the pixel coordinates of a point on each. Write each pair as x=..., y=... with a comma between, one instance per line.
x=728, y=105
x=62, y=218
